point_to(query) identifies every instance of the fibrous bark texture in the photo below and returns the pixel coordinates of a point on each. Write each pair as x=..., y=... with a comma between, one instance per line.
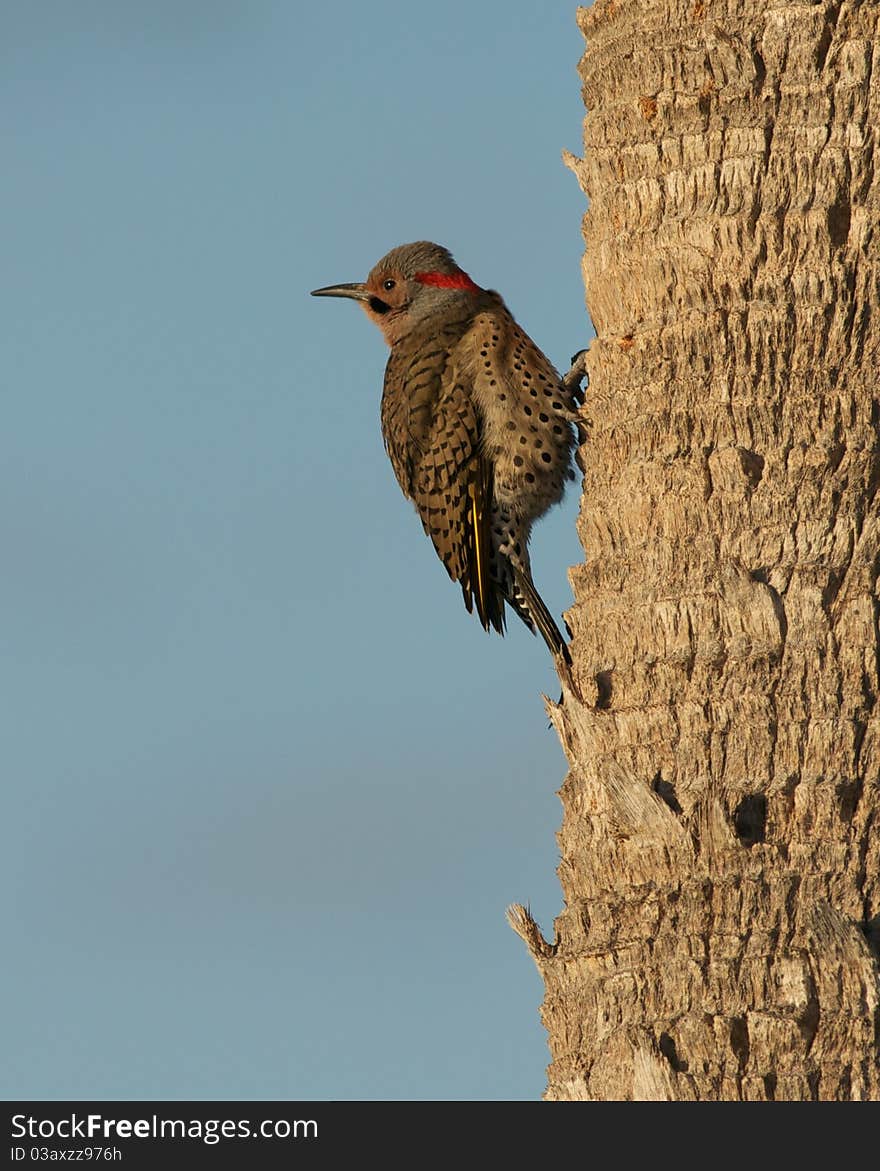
x=720, y=842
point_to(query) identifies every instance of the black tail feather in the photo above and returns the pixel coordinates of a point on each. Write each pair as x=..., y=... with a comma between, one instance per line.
x=534, y=613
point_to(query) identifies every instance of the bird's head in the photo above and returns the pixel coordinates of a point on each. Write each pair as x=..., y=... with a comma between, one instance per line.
x=407, y=287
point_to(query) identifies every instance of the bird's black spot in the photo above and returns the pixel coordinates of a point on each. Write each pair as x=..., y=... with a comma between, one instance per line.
x=544, y=418
x=533, y=393
x=518, y=461
x=528, y=410
x=545, y=456
x=523, y=439
x=531, y=479
x=379, y=306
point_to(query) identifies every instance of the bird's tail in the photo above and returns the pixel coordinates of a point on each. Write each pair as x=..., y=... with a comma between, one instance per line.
x=529, y=605
x=478, y=584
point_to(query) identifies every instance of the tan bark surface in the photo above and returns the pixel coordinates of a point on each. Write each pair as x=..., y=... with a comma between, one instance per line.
x=720, y=847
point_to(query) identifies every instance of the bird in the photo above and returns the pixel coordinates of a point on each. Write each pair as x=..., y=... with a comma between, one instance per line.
x=477, y=423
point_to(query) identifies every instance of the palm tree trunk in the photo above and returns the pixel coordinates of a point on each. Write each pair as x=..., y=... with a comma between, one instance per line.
x=720, y=846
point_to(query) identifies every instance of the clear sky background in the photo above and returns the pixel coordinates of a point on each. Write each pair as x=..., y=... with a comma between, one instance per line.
x=268, y=788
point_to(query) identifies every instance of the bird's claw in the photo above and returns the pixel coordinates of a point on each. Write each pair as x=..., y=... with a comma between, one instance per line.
x=575, y=376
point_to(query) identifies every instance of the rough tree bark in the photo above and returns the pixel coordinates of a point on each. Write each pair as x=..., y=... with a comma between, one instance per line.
x=720, y=846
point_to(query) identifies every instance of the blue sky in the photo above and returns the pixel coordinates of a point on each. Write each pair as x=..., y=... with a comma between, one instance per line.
x=268, y=787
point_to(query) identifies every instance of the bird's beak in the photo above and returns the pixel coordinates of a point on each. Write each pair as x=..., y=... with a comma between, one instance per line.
x=357, y=292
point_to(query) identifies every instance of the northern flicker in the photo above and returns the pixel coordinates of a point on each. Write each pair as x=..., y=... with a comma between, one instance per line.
x=477, y=423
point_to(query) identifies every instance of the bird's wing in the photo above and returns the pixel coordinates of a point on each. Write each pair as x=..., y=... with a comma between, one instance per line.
x=433, y=435
x=481, y=585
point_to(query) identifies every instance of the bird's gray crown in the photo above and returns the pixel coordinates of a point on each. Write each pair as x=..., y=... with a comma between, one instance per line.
x=422, y=256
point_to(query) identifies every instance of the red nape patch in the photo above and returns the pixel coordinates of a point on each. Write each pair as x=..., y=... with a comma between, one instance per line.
x=448, y=280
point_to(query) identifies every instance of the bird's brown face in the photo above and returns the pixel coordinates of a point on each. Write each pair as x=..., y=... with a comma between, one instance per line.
x=386, y=293
x=385, y=297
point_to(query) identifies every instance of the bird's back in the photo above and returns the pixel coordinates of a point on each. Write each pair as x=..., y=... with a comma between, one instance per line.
x=420, y=369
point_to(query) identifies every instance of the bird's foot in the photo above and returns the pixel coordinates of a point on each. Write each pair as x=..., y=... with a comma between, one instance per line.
x=576, y=375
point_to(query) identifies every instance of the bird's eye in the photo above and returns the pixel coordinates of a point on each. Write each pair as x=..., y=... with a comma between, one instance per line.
x=389, y=284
